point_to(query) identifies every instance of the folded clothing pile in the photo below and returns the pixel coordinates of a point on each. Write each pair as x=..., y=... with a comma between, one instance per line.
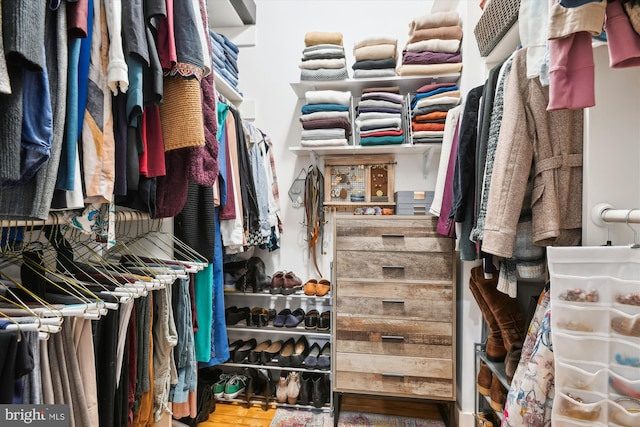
x=429, y=108
x=375, y=56
x=325, y=118
x=379, y=116
x=433, y=46
x=225, y=58
x=323, y=57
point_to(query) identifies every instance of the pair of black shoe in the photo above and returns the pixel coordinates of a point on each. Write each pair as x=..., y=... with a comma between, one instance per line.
x=314, y=389
x=240, y=349
x=293, y=352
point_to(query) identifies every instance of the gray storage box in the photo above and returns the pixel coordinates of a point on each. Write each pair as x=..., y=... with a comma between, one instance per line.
x=413, y=202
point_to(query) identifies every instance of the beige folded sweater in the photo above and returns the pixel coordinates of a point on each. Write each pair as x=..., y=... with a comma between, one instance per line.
x=453, y=32
x=381, y=51
x=428, y=69
x=313, y=38
x=434, y=20
x=374, y=40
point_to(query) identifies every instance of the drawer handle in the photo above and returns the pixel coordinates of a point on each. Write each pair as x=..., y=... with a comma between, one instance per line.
x=392, y=301
x=393, y=337
x=392, y=375
x=394, y=267
x=399, y=236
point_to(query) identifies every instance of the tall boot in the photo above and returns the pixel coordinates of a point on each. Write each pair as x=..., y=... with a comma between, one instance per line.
x=495, y=349
x=505, y=310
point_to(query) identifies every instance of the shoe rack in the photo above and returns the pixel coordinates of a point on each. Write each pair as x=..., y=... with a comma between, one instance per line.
x=282, y=371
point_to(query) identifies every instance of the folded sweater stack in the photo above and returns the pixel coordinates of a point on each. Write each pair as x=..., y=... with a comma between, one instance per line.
x=323, y=57
x=429, y=108
x=379, y=116
x=433, y=46
x=225, y=58
x=325, y=118
x=375, y=56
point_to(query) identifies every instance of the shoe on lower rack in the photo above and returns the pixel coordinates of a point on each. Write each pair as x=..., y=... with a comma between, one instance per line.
x=236, y=385
x=218, y=387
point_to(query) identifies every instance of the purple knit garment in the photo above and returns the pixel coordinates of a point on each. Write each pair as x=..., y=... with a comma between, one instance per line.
x=430, y=57
x=446, y=226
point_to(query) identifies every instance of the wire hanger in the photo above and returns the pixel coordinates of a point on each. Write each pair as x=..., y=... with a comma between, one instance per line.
x=635, y=244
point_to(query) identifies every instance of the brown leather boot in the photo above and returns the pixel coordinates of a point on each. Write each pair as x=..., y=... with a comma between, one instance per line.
x=505, y=309
x=495, y=349
x=511, y=362
x=484, y=379
x=497, y=394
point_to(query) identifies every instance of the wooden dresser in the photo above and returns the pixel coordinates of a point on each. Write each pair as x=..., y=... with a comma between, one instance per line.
x=394, y=296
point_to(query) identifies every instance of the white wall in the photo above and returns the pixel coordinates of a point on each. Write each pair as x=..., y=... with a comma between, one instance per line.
x=266, y=71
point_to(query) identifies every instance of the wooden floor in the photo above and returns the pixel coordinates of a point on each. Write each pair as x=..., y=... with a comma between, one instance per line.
x=229, y=415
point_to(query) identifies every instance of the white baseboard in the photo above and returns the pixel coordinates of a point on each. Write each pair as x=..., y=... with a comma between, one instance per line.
x=465, y=419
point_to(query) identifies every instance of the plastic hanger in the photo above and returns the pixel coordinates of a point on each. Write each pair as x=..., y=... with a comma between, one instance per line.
x=635, y=244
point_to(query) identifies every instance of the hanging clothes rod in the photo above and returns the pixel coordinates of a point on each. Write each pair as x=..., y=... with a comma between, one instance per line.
x=56, y=218
x=604, y=213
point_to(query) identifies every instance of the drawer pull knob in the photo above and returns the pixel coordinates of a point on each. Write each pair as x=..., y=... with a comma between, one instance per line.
x=392, y=301
x=395, y=267
x=393, y=337
x=399, y=236
x=389, y=374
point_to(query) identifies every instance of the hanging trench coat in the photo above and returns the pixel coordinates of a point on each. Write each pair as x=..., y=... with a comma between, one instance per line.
x=539, y=145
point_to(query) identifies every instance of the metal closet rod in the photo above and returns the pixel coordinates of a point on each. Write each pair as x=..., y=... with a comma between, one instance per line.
x=55, y=218
x=605, y=213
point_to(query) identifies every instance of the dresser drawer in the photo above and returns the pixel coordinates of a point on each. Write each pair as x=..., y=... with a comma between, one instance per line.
x=390, y=226
x=393, y=265
x=390, y=300
x=393, y=375
x=391, y=331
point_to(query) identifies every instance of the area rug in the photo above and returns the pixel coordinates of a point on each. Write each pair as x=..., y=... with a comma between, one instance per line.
x=359, y=419
x=285, y=417
x=296, y=418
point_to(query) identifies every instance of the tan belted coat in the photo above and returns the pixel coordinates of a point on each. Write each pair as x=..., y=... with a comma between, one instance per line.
x=545, y=145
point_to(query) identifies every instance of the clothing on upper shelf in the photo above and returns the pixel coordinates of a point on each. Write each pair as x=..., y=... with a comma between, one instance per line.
x=325, y=118
x=379, y=117
x=225, y=58
x=375, y=56
x=323, y=57
x=433, y=46
x=429, y=107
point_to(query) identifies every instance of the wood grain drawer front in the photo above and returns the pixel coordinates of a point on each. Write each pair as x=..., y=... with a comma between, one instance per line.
x=432, y=302
x=390, y=226
x=394, y=243
x=398, y=386
x=393, y=332
x=393, y=346
x=394, y=265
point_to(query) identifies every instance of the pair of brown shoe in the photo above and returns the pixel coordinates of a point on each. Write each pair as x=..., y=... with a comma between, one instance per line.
x=489, y=385
x=318, y=288
x=285, y=283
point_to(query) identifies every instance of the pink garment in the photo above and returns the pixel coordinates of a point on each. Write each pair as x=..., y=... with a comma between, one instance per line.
x=571, y=72
x=166, y=40
x=447, y=226
x=622, y=40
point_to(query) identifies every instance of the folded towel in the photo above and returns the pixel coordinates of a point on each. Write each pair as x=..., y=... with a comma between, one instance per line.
x=428, y=134
x=313, y=38
x=324, y=115
x=375, y=40
x=380, y=51
x=382, y=140
x=314, y=64
x=428, y=69
x=324, y=46
x=434, y=20
x=453, y=32
x=323, y=54
x=328, y=97
x=436, y=45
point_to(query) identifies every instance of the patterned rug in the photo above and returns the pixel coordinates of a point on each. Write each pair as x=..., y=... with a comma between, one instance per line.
x=296, y=418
